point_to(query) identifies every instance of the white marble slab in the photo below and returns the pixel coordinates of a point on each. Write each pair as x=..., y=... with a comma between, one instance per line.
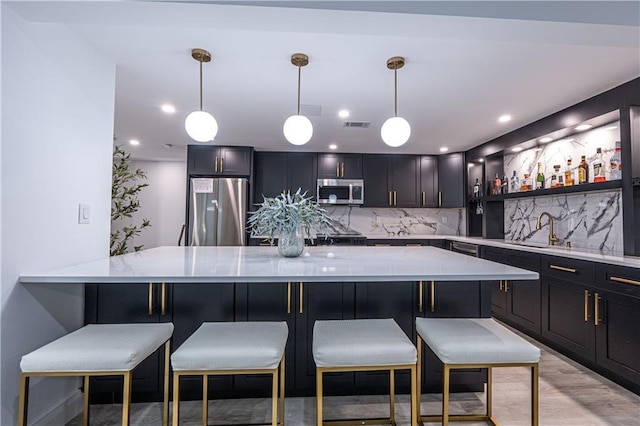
x=263, y=264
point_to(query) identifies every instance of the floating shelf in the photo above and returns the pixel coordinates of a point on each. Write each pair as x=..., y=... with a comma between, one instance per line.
x=574, y=189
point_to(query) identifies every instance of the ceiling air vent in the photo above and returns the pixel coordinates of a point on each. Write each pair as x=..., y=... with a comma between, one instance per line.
x=360, y=124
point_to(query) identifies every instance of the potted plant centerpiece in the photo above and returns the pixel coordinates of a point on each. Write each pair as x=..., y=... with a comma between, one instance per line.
x=289, y=218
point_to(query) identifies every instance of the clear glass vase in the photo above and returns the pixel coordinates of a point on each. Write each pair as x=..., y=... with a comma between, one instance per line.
x=291, y=243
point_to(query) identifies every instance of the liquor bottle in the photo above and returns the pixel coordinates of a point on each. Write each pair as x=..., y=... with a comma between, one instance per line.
x=497, y=184
x=515, y=183
x=568, y=174
x=505, y=184
x=554, y=176
x=540, y=177
x=615, y=164
x=476, y=189
x=598, y=167
x=526, y=184
x=583, y=171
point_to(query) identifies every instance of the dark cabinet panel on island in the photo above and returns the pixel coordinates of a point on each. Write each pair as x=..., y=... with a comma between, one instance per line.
x=339, y=166
x=391, y=180
x=278, y=172
x=524, y=296
x=498, y=295
x=219, y=160
x=451, y=178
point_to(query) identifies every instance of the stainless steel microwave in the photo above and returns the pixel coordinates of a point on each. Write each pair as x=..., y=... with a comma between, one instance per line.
x=340, y=191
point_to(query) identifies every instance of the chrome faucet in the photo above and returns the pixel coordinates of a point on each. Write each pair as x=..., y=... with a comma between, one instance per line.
x=552, y=236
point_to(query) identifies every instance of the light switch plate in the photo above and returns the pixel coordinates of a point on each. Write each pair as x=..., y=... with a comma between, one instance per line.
x=84, y=214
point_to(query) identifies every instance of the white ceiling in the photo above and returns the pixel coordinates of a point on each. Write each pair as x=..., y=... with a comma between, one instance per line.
x=461, y=72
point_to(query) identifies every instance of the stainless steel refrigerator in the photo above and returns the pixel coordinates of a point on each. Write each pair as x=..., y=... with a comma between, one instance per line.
x=217, y=211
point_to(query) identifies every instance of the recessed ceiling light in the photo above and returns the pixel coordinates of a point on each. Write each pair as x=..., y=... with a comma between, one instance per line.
x=545, y=140
x=167, y=145
x=611, y=128
x=583, y=127
x=516, y=149
x=444, y=149
x=343, y=113
x=169, y=109
x=333, y=146
x=504, y=118
x=134, y=142
x=481, y=160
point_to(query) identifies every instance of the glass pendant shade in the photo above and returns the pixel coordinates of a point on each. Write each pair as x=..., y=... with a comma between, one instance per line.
x=298, y=129
x=395, y=131
x=201, y=126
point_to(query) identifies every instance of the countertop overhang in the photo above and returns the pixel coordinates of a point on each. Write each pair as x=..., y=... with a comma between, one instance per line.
x=264, y=264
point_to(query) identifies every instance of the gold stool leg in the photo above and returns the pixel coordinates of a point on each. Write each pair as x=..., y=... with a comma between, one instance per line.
x=274, y=398
x=445, y=396
x=165, y=402
x=205, y=399
x=282, y=391
x=126, y=399
x=23, y=404
x=489, y=392
x=534, y=395
x=319, y=397
x=419, y=376
x=85, y=402
x=176, y=398
x=415, y=397
x=392, y=396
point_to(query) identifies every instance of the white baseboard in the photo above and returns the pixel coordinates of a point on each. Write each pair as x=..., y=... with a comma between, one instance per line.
x=63, y=413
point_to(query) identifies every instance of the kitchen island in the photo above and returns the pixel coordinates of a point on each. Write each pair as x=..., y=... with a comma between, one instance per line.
x=189, y=285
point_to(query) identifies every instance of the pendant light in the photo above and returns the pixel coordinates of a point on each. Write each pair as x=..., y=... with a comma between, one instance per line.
x=396, y=130
x=298, y=128
x=201, y=125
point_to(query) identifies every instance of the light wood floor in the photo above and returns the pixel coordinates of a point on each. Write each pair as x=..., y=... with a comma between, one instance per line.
x=570, y=395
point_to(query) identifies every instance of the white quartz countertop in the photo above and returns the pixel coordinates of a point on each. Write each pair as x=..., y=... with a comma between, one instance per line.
x=573, y=253
x=263, y=264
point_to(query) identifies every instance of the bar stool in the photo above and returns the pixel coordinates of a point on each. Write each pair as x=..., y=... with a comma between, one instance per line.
x=98, y=350
x=363, y=345
x=475, y=343
x=221, y=348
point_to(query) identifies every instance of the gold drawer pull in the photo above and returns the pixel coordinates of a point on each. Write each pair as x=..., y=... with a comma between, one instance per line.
x=596, y=299
x=501, y=285
x=163, y=299
x=424, y=199
x=433, y=296
x=506, y=286
x=150, y=298
x=562, y=268
x=420, y=296
x=586, y=305
x=301, y=288
x=625, y=280
x=289, y=297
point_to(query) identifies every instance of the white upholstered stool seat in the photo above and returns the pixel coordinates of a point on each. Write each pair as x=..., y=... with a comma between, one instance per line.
x=363, y=345
x=98, y=350
x=476, y=343
x=218, y=348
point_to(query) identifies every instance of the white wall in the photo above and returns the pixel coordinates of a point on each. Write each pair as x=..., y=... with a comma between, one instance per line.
x=162, y=202
x=57, y=129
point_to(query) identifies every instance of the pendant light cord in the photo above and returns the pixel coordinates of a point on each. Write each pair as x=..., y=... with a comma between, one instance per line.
x=299, y=68
x=200, y=85
x=395, y=100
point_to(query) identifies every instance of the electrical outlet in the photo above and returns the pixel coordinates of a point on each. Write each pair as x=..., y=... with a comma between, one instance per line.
x=84, y=214
x=444, y=220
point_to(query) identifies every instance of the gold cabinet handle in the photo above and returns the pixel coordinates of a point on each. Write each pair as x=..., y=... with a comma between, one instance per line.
x=342, y=174
x=150, y=299
x=390, y=198
x=301, y=297
x=424, y=199
x=439, y=198
x=562, y=268
x=433, y=296
x=625, y=280
x=506, y=286
x=395, y=198
x=163, y=299
x=221, y=163
x=501, y=286
x=337, y=169
x=420, y=295
x=586, y=305
x=596, y=313
x=289, y=297
x=215, y=165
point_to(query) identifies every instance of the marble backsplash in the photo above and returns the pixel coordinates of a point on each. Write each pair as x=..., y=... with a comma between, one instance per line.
x=591, y=221
x=397, y=222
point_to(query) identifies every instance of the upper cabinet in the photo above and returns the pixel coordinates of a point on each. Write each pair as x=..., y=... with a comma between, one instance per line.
x=278, y=172
x=451, y=187
x=338, y=166
x=219, y=160
x=391, y=180
x=429, y=181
